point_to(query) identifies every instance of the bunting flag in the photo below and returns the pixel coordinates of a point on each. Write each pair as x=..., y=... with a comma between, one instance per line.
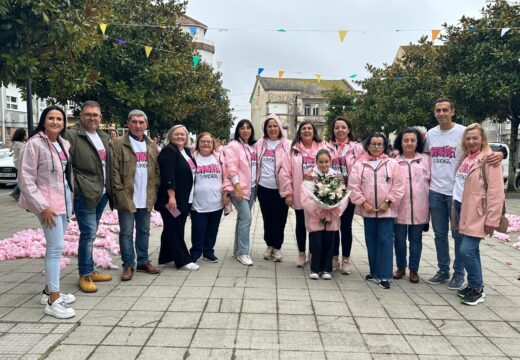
x=280, y=74
x=352, y=76
x=435, y=34
x=196, y=60
x=354, y=100
x=148, y=50
x=503, y=31
x=259, y=71
x=103, y=27
x=120, y=42
x=281, y=30
x=325, y=106
x=399, y=78
x=318, y=77
x=219, y=65
x=193, y=30
x=342, y=34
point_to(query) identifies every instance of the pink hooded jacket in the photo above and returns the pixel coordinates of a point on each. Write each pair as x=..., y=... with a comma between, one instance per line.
x=375, y=186
x=283, y=148
x=291, y=174
x=342, y=161
x=314, y=214
x=237, y=160
x=40, y=176
x=414, y=206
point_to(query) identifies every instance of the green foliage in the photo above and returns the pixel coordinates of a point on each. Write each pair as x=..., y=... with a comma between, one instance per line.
x=340, y=103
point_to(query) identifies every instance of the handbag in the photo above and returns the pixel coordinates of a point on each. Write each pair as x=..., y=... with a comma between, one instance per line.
x=504, y=222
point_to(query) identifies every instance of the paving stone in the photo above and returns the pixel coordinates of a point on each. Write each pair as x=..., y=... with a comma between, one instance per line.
x=291, y=340
x=496, y=329
x=13, y=343
x=161, y=291
x=345, y=343
x=474, y=346
x=297, y=355
x=103, y=317
x=71, y=352
x=295, y=307
x=387, y=344
x=509, y=346
x=25, y=314
x=87, y=335
x=343, y=324
x=30, y=328
x=219, y=321
x=259, y=306
x=180, y=304
x=259, y=322
x=171, y=337
x=139, y=318
x=128, y=336
x=180, y=320
x=227, y=293
x=257, y=339
x=381, y=326
x=430, y=345
x=116, y=303
x=452, y=328
x=209, y=338
x=440, y=312
x=260, y=293
x=152, y=303
x=194, y=292
x=416, y=327
x=104, y=352
x=330, y=308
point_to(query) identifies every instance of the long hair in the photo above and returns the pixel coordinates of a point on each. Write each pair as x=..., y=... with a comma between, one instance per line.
x=41, y=123
x=197, y=147
x=298, y=137
x=241, y=123
x=19, y=135
x=483, y=147
x=369, y=138
x=349, y=125
x=399, y=139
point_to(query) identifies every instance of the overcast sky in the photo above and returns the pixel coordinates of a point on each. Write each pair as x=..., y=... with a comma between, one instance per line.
x=371, y=38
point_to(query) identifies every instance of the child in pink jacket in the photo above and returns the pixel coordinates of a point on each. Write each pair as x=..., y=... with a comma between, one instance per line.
x=321, y=223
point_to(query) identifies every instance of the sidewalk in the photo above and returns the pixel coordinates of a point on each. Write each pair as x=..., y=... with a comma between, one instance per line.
x=267, y=311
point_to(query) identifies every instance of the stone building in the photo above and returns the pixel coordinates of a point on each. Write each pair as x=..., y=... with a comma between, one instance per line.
x=205, y=48
x=293, y=100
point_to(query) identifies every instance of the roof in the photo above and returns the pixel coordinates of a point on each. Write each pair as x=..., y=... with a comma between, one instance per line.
x=185, y=20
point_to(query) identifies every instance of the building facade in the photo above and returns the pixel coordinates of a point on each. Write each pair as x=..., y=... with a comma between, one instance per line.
x=205, y=48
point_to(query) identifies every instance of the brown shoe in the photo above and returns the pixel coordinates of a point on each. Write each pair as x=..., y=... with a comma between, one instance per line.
x=399, y=273
x=148, y=268
x=86, y=284
x=414, y=277
x=128, y=274
x=100, y=277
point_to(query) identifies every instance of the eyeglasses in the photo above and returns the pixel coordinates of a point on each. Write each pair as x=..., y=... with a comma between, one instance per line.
x=91, y=115
x=205, y=142
x=377, y=144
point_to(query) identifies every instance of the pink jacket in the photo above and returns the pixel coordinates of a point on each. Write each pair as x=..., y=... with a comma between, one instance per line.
x=40, y=176
x=237, y=161
x=314, y=214
x=414, y=206
x=283, y=148
x=291, y=174
x=375, y=186
x=481, y=207
x=344, y=163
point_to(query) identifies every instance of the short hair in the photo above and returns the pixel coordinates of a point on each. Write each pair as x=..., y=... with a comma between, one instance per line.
x=201, y=135
x=173, y=128
x=90, y=103
x=323, y=152
x=475, y=126
x=137, y=112
x=297, y=137
x=241, y=123
x=369, y=138
x=399, y=139
x=19, y=135
x=445, y=99
x=350, y=136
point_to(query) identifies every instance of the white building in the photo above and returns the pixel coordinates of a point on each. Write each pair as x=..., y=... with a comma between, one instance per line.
x=205, y=48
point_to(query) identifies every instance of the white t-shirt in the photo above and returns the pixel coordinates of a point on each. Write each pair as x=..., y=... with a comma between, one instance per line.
x=445, y=149
x=207, y=196
x=68, y=195
x=375, y=163
x=96, y=140
x=193, y=172
x=462, y=174
x=268, y=176
x=141, y=173
x=252, y=153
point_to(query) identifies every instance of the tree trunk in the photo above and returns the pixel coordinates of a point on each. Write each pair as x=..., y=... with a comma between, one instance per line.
x=513, y=144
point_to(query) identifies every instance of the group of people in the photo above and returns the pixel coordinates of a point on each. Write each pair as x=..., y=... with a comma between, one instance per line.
x=79, y=170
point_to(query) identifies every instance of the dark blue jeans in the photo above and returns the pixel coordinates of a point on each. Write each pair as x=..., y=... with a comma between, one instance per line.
x=379, y=240
x=141, y=219
x=204, y=229
x=414, y=233
x=88, y=221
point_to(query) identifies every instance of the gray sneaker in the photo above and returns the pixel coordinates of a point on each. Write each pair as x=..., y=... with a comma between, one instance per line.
x=456, y=283
x=438, y=278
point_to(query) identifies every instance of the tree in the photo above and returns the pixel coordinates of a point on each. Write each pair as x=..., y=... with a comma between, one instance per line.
x=340, y=103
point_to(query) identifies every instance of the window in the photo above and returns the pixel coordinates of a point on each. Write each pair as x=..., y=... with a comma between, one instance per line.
x=307, y=109
x=12, y=102
x=316, y=110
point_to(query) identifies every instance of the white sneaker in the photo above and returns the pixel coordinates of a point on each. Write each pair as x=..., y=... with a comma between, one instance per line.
x=314, y=276
x=68, y=298
x=190, y=267
x=245, y=260
x=345, y=266
x=277, y=254
x=326, y=276
x=59, y=309
x=300, y=261
x=268, y=253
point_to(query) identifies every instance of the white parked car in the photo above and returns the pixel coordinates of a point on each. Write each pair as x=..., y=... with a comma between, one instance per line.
x=4, y=152
x=8, y=174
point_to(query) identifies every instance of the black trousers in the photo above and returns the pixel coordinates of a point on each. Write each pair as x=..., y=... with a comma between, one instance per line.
x=301, y=232
x=346, y=232
x=274, y=212
x=320, y=245
x=173, y=246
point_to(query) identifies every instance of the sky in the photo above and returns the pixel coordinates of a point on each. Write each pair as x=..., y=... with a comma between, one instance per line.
x=372, y=37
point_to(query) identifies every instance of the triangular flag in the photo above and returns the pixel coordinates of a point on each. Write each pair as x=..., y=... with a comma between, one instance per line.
x=352, y=76
x=398, y=78
x=354, y=107
x=219, y=65
x=354, y=100
x=120, y=42
x=148, y=50
x=103, y=27
x=342, y=34
x=280, y=74
x=196, y=60
x=325, y=106
x=504, y=30
x=318, y=77
x=260, y=71
x=281, y=30
x=435, y=34
x=193, y=30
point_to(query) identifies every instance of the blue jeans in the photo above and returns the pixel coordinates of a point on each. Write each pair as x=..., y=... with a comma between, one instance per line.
x=243, y=226
x=440, y=208
x=141, y=219
x=54, y=239
x=470, y=254
x=379, y=241
x=88, y=221
x=414, y=233
x=204, y=229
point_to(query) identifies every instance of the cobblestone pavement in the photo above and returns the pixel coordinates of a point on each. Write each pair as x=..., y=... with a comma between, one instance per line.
x=268, y=311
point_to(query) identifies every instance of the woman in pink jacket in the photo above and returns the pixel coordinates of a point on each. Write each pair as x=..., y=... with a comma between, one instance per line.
x=377, y=187
x=413, y=210
x=44, y=177
x=479, y=207
x=344, y=151
x=240, y=160
x=296, y=164
x=270, y=150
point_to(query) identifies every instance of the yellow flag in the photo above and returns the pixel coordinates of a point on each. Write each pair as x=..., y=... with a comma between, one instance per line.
x=318, y=77
x=280, y=74
x=148, y=50
x=342, y=34
x=435, y=34
x=103, y=27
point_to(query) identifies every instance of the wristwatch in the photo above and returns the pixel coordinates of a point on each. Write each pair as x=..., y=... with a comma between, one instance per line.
x=388, y=202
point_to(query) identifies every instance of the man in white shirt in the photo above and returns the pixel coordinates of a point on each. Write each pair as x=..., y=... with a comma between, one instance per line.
x=135, y=181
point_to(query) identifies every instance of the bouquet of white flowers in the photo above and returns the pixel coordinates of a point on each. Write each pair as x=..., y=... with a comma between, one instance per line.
x=329, y=191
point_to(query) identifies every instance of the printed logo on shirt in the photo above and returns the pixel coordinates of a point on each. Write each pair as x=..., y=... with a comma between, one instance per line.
x=340, y=165
x=192, y=165
x=211, y=171
x=268, y=156
x=253, y=159
x=103, y=155
x=443, y=154
x=142, y=159
x=308, y=162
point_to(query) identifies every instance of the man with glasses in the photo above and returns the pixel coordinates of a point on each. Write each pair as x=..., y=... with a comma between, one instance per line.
x=89, y=156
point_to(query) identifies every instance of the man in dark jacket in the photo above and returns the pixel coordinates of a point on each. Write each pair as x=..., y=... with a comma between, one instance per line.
x=89, y=155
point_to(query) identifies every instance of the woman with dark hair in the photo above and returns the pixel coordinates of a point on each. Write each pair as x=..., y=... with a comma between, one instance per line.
x=240, y=161
x=271, y=149
x=174, y=198
x=344, y=152
x=18, y=139
x=413, y=212
x=45, y=178
x=377, y=187
x=297, y=165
